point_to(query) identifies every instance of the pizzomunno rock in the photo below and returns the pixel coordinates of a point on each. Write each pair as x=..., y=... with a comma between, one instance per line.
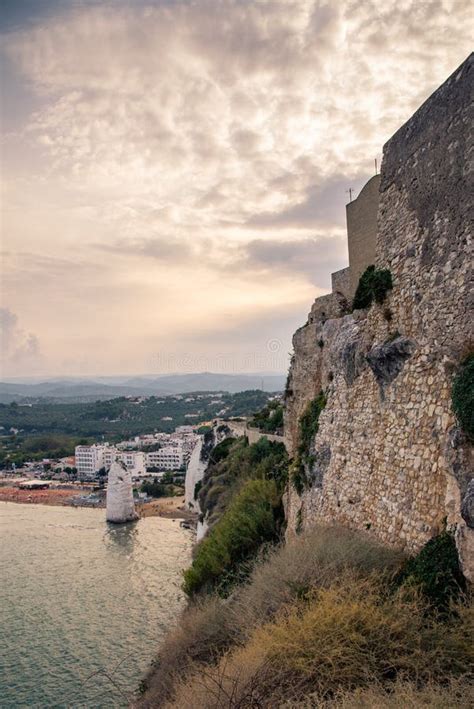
x=120, y=505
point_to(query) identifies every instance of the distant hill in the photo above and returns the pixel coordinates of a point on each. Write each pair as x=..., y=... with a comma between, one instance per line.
x=84, y=389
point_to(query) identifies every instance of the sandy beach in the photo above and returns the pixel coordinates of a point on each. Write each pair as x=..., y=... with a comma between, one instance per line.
x=38, y=497
x=169, y=507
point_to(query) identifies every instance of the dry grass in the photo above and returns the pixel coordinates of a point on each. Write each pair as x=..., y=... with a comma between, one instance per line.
x=201, y=636
x=208, y=628
x=315, y=623
x=311, y=561
x=347, y=636
x=457, y=694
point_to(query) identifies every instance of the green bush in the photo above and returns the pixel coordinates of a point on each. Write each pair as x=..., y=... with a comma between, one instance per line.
x=154, y=488
x=264, y=460
x=435, y=569
x=269, y=419
x=309, y=424
x=253, y=517
x=373, y=285
x=197, y=488
x=463, y=396
x=221, y=451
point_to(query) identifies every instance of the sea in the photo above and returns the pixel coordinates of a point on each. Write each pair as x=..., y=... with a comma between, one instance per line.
x=83, y=604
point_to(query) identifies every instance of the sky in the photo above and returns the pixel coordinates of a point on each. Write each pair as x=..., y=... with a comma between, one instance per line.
x=174, y=174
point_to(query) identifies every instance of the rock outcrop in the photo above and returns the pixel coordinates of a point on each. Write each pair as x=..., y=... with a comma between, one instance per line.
x=197, y=467
x=388, y=455
x=120, y=505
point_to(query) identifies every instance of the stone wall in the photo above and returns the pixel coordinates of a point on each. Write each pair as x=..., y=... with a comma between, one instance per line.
x=361, y=217
x=389, y=456
x=341, y=283
x=240, y=428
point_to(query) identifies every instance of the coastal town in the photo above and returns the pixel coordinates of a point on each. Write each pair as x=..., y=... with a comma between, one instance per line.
x=157, y=463
x=62, y=454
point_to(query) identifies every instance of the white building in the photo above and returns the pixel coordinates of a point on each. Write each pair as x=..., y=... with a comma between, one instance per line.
x=90, y=459
x=168, y=458
x=135, y=462
x=184, y=430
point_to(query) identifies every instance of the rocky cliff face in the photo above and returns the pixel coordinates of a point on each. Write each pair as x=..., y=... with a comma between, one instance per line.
x=389, y=455
x=120, y=505
x=197, y=467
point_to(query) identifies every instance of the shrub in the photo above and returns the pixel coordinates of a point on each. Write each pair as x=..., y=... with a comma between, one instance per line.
x=264, y=460
x=309, y=423
x=435, y=569
x=373, y=285
x=381, y=284
x=197, y=489
x=463, y=396
x=312, y=560
x=222, y=450
x=352, y=634
x=269, y=419
x=308, y=427
x=253, y=517
x=298, y=476
x=456, y=694
x=201, y=635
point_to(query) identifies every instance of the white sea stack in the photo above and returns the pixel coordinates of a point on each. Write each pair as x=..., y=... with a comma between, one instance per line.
x=120, y=505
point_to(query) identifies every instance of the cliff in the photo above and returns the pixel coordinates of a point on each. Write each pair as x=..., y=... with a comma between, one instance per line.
x=389, y=455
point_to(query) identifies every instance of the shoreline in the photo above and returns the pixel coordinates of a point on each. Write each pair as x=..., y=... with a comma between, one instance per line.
x=51, y=497
x=167, y=507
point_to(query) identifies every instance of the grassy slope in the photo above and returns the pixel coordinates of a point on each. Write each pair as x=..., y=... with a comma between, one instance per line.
x=331, y=619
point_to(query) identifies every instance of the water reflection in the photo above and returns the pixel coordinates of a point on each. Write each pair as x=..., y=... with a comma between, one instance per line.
x=121, y=537
x=80, y=596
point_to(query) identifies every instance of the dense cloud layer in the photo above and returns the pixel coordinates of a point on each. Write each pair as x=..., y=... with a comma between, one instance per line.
x=176, y=167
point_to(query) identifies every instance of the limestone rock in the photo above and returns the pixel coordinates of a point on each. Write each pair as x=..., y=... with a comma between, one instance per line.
x=200, y=460
x=387, y=360
x=467, y=505
x=120, y=505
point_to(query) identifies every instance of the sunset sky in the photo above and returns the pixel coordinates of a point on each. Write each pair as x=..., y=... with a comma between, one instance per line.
x=174, y=174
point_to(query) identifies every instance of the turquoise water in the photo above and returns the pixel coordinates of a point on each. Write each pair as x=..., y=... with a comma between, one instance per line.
x=83, y=604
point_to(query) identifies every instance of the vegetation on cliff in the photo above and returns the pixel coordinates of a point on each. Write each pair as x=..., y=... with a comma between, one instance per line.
x=374, y=284
x=320, y=621
x=232, y=463
x=254, y=517
x=436, y=571
x=463, y=396
x=240, y=498
x=308, y=428
x=269, y=419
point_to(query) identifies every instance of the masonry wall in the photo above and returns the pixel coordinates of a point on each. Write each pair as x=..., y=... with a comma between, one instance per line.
x=389, y=456
x=361, y=217
x=341, y=283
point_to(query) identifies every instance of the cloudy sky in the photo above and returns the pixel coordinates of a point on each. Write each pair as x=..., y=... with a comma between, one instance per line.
x=175, y=173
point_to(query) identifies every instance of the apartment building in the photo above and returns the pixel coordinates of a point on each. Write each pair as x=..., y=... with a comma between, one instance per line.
x=167, y=458
x=91, y=459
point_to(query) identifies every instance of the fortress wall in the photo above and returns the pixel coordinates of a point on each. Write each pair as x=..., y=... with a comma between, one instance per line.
x=327, y=306
x=389, y=456
x=341, y=283
x=361, y=216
